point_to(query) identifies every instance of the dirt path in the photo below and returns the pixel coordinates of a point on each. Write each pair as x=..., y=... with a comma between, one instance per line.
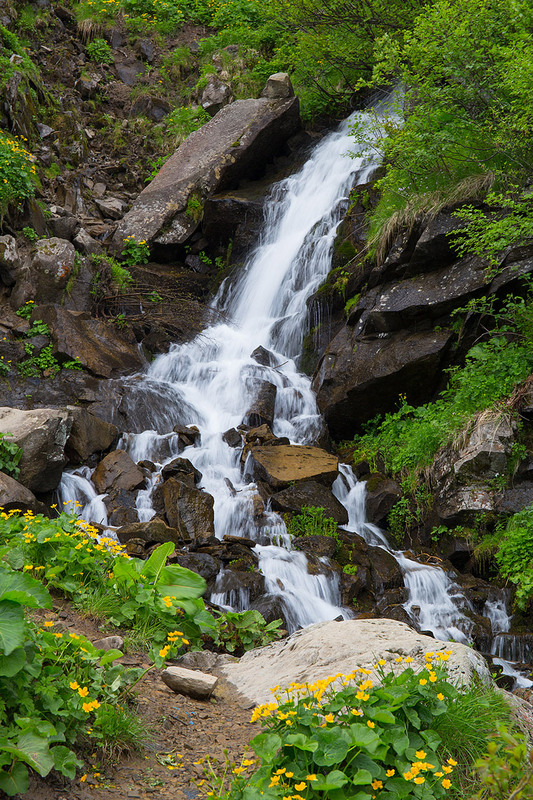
x=184, y=731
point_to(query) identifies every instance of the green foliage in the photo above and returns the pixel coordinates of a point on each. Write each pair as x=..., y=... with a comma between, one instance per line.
x=30, y=234
x=51, y=683
x=195, y=208
x=98, y=50
x=110, y=275
x=515, y=554
x=239, y=632
x=343, y=738
x=17, y=172
x=10, y=455
x=181, y=122
x=26, y=310
x=350, y=569
x=488, y=234
x=464, y=120
x=505, y=771
x=135, y=252
x=312, y=522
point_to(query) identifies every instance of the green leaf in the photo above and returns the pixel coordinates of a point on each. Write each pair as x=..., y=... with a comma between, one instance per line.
x=152, y=568
x=109, y=657
x=332, y=747
x=362, y=777
x=431, y=738
x=13, y=663
x=301, y=741
x=11, y=626
x=380, y=715
x=15, y=781
x=333, y=780
x=400, y=743
x=23, y=589
x=33, y=750
x=363, y=736
x=266, y=745
x=412, y=716
x=180, y=582
x=65, y=761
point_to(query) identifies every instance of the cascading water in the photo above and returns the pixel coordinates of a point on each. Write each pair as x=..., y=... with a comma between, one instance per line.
x=212, y=381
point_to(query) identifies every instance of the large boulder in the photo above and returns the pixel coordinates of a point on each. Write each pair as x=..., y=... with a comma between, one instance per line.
x=429, y=296
x=9, y=260
x=99, y=346
x=261, y=412
x=14, y=495
x=88, y=435
x=359, y=378
x=188, y=509
x=117, y=471
x=236, y=143
x=42, y=435
x=285, y=464
x=309, y=493
x=381, y=494
x=331, y=647
x=155, y=531
x=52, y=265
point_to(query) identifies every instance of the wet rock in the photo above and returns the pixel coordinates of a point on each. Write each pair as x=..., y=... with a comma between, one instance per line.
x=404, y=304
x=434, y=248
x=9, y=260
x=122, y=510
x=240, y=588
x=359, y=378
x=261, y=412
x=85, y=243
x=381, y=495
x=155, y=531
x=264, y=357
x=14, y=495
x=52, y=265
x=187, y=509
x=183, y=470
x=201, y=563
x=385, y=571
x=232, y=437
x=462, y=506
x=271, y=607
x=352, y=586
x=278, y=86
x=280, y=466
x=117, y=471
x=310, y=493
x=238, y=141
x=215, y=95
x=42, y=435
x=330, y=647
x=88, y=435
x=318, y=545
x=188, y=435
x=99, y=346
x=191, y=683
x=233, y=215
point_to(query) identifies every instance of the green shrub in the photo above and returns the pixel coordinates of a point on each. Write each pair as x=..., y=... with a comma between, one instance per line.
x=514, y=554
x=10, y=455
x=134, y=252
x=312, y=522
x=99, y=50
x=505, y=772
x=17, y=173
x=342, y=737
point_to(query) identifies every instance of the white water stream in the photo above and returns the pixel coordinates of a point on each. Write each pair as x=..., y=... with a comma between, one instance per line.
x=212, y=381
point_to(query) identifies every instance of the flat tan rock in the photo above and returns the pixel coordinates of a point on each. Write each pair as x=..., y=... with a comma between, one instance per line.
x=190, y=682
x=331, y=647
x=286, y=464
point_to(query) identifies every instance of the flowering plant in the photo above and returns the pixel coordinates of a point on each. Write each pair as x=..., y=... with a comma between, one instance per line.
x=344, y=737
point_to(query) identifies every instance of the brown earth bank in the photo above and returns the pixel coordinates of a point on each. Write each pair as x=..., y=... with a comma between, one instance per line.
x=184, y=733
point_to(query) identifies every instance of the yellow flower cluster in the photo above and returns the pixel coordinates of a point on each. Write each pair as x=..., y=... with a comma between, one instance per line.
x=173, y=637
x=413, y=774
x=92, y=705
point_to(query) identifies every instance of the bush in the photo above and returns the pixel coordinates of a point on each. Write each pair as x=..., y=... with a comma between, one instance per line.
x=343, y=737
x=17, y=173
x=98, y=50
x=514, y=555
x=312, y=522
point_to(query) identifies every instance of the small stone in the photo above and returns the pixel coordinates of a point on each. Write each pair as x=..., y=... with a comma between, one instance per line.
x=109, y=643
x=189, y=682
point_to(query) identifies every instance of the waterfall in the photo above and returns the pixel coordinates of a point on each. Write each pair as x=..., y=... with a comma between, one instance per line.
x=212, y=381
